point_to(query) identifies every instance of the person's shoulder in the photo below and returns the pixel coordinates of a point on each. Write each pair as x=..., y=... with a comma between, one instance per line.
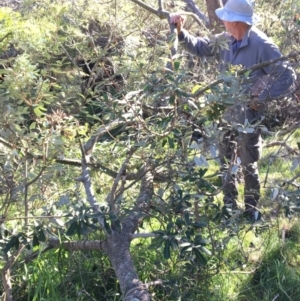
x=258, y=35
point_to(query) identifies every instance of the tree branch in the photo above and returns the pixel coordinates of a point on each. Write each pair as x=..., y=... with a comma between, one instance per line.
x=146, y=192
x=284, y=144
x=87, y=245
x=143, y=235
x=242, y=72
x=162, y=14
x=87, y=183
x=111, y=196
x=195, y=9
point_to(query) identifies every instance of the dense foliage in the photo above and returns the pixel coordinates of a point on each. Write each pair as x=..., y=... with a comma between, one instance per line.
x=99, y=126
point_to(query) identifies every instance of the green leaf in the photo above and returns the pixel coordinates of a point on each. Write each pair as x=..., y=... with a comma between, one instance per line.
x=199, y=224
x=195, y=88
x=176, y=65
x=41, y=235
x=167, y=253
x=205, y=250
x=174, y=243
x=13, y=242
x=107, y=226
x=113, y=217
x=187, y=217
x=185, y=250
x=199, y=257
x=201, y=241
x=72, y=229
x=171, y=142
x=32, y=126
x=170, y=226
x=39, y=111
x=35, y=241
x=185, y=244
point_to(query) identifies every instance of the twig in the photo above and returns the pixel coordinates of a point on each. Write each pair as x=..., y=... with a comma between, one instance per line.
x=153, y=283
x=162, y=14
x=7, y=35
x=111, y=196
x=280, y=143
x=275, y=297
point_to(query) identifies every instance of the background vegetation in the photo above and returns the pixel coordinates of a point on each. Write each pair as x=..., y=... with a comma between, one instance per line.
x=90, y=90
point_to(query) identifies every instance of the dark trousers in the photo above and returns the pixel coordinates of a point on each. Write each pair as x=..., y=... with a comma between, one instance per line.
x=243, y=149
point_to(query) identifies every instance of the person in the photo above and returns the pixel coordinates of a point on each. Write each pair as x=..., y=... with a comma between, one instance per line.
x=247, y=46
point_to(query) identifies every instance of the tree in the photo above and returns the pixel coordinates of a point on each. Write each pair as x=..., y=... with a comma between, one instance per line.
x=211, y=7
x=67, y=173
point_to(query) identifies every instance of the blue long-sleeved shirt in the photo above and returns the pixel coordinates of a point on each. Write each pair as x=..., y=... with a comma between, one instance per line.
x=255, y=48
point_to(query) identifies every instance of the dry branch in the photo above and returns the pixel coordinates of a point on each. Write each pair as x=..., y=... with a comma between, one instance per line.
x=284, y=144
x=87, y=245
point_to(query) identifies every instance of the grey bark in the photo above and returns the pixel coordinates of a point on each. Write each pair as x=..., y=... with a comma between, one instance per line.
x=117, y=245
x=212, y=5
x=195, y=9
x=117, y=248
x=7, y=284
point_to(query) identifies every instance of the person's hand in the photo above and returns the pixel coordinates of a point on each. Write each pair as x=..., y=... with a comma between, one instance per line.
x=178, y=19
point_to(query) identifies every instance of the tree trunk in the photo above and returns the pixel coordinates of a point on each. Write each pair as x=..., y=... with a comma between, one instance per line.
x=117, y=249
x=214, y=21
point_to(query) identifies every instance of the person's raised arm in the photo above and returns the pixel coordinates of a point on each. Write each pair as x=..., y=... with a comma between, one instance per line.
x=179, y=20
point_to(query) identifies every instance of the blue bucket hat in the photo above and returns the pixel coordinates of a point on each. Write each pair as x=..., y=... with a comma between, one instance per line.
x=237, y=11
